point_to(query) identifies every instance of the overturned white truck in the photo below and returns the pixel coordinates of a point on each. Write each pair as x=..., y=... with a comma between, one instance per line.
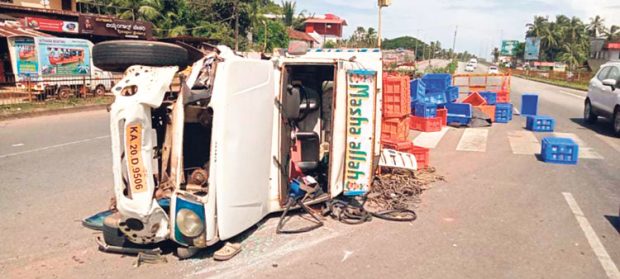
x=224, y=149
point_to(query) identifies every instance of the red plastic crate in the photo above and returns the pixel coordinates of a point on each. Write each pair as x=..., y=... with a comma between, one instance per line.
x=432, y=124
x=398, y=145
x=395, y=128
x=442, y=114
x=503, y=96
x=396, y=96
x=422, y=156
x=488, y=110
x=475, y=99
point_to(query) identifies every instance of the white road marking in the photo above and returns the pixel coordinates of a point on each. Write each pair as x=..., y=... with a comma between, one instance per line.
x=51, y=147
x=346, y=255
x=473, y=139
x=516, y=111
x=17, y=144
x=523, y=142
x=430, y=139
x=595, y=242
x=585, y=152
x=613, y=142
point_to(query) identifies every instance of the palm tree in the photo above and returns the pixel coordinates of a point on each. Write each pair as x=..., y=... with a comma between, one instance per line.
x=495, y=54
x=573, y=55
x=139, y=9
x=613, y=33
x=596, y=26
x=536, y=29
x=371, y=37
x=290, y=20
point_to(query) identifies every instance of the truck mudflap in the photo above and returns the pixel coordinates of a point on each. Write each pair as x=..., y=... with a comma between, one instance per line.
x=141, y=89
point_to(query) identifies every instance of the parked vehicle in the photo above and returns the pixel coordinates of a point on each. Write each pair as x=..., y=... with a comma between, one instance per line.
x=469, y=67
x=230, y=146
x=493, y=70
x=604, y=96
x=56, y=66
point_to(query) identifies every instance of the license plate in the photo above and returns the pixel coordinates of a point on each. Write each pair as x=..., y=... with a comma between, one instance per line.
x=135, y=164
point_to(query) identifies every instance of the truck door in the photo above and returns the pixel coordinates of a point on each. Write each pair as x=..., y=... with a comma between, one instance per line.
x=243, y=104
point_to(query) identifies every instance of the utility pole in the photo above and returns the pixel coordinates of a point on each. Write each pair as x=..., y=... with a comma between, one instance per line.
x=236, y=12
x=454, y=42
x=379, y=31
x=417, y=39
x=381, y=4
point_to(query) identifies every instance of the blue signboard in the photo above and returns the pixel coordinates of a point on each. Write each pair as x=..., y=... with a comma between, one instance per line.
x=532, y=48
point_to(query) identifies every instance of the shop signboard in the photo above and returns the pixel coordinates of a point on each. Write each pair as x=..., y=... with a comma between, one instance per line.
x=509, y=47
x=26, y=57
x=106, y=26
x=63, y=56
x=532, y=48
x=361, y=91
x=53, y=25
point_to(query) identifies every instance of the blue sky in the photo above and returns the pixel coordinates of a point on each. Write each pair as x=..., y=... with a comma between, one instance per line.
x=481, y=23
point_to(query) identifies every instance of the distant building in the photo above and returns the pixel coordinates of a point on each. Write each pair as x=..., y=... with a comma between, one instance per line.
x=601, y=52
x=301, y=36
x=398, y=56
x=328, y=27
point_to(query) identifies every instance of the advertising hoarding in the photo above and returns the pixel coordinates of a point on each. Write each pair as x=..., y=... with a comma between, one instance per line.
x=53, y=25
x=361, y=91
x=26, y=57
x=509, y=47
x=532, y=48
x=63, y=56
x=106, y=26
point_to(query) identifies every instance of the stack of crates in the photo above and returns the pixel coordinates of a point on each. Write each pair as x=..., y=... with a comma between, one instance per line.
x=503, y=112
x=396, y=108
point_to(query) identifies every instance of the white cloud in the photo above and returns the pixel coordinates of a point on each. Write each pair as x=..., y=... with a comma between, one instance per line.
x=482, y=23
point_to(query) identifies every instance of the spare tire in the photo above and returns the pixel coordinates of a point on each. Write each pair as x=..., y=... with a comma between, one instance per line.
x=117, y=56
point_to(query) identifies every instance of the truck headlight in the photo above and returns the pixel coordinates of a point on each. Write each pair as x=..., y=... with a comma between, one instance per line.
x=189, y=223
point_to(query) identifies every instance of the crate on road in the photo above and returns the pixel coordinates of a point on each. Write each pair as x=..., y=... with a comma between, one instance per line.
x=503, y=112
x=540, y=123
x=490, y=97
x=459, y=113
x=422, y=156
x=417, y=89
x=425, y=110
x=432, y=124
x=529, y=104
x=452, y=94
x=396, y=97
x=559, y=151
x=437, y=82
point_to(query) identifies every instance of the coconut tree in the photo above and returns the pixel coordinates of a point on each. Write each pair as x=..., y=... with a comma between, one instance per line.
x=573, y=55
x=596, y=26
x=613, y=33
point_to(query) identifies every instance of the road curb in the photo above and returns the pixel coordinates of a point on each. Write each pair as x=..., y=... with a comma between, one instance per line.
x=52, y=112
x=550, y=83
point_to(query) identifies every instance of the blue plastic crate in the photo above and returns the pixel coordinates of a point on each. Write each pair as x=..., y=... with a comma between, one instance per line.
x=417, y=89
x=529, y=104
x=431, y=97
x=425, y=110
x=489, y=96
x=459, y=113
x=540, y=123
x=559, y=151
x=452, y=94
x=437, y=82
x=503, y=112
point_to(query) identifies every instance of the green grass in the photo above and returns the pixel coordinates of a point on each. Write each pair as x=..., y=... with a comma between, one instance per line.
x=23, y=108
x=567, y=84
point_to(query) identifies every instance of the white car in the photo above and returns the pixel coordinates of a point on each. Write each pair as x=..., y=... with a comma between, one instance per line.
x=470, y=68
x=493, y=70
x=604, y=96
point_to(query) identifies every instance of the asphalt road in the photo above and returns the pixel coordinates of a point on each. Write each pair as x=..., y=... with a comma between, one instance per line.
x=499, y=215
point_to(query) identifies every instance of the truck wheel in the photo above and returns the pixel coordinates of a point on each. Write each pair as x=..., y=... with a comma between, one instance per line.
x=64, y=93
x=117, y=56
x=99, y=90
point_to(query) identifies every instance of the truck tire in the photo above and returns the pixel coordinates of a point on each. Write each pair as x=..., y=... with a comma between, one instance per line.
x=117, y=56
x=99, y=90
x=64, y=92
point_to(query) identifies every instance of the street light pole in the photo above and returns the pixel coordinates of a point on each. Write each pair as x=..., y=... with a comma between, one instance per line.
x=379, y=32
